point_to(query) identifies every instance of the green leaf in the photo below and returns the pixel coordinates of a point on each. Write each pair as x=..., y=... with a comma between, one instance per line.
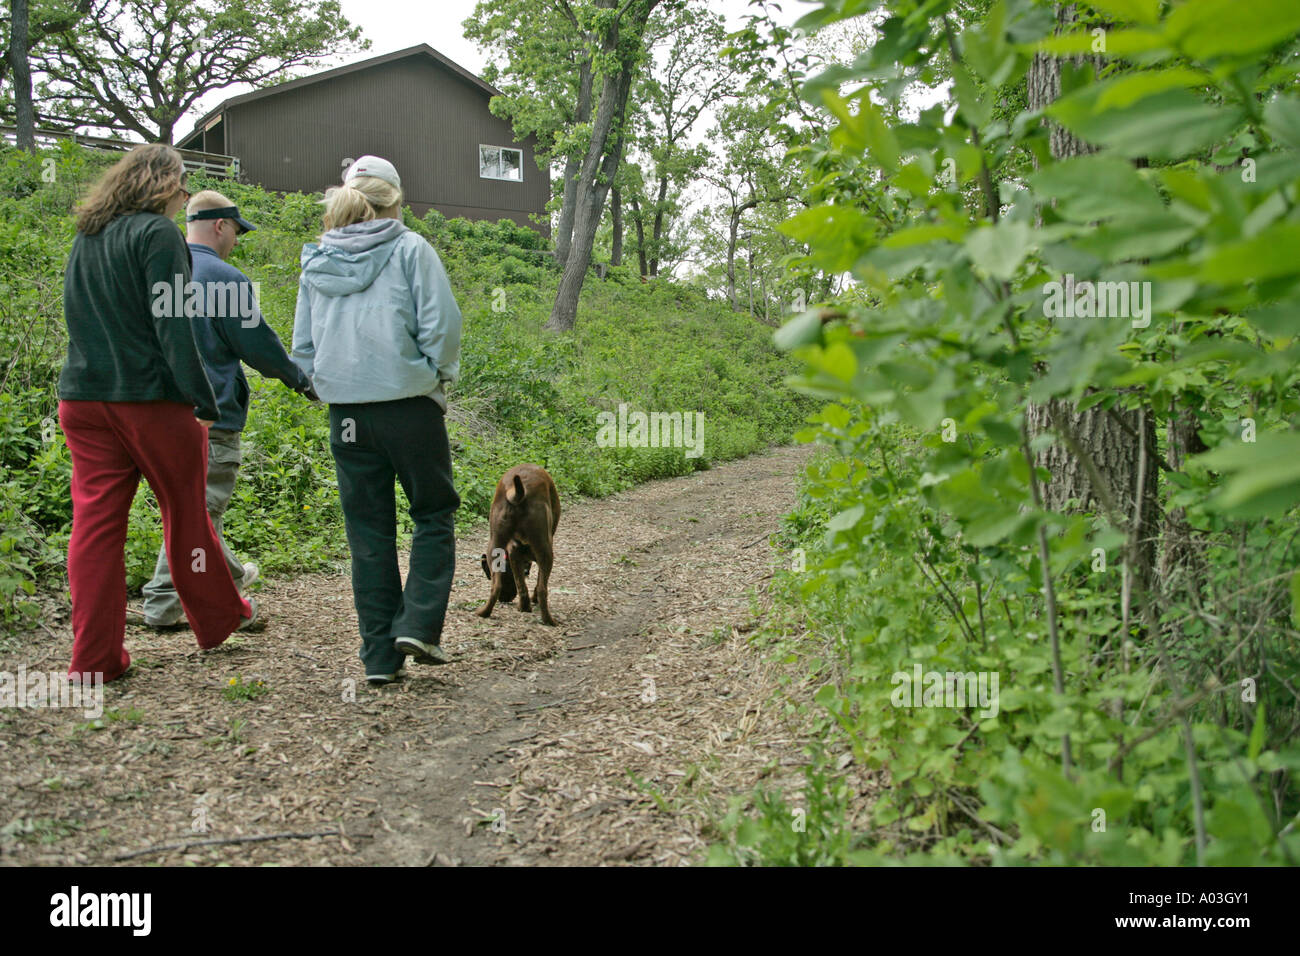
x=1000, y=249
x=1001, y=431
x=1118, y=42
x=914, y=179
x=836, y=235
x=1271, y=252
x=838, y=360
x=1264, y=475
x=1282, y=117
x=1127, y=90
x=1278, y=319
x=927, y=232
x=803, y=329
x=845, y=521
x=1147, y=238
x=864, y=130
x=1207, y=29
x=1166, y=126
x=985, y=48
x=1257, y=733
x=974, y=107
x=1096, y=186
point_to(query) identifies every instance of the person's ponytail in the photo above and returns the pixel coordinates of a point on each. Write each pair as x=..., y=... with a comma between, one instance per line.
x=360, y=200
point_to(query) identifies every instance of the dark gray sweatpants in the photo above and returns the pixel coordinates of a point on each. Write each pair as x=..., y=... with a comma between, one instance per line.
x=373, y=445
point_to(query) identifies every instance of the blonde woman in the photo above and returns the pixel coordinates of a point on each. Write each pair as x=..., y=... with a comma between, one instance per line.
x=378, y=331
x=134, y=399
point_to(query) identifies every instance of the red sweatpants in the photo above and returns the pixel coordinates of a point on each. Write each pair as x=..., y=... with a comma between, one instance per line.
x=112, y=444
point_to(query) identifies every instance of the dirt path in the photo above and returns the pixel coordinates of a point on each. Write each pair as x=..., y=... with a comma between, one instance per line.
x=604, y=740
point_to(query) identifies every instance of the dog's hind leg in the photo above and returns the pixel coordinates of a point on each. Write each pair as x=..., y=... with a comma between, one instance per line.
x=498, y=584
x=486, y=609
x=544, y=557
x=519, y=570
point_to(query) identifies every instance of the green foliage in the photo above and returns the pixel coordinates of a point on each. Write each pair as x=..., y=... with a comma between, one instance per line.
x=926, y=533
x=35, y=472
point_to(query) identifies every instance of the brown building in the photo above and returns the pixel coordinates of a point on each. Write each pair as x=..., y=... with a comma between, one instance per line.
x=416, y=108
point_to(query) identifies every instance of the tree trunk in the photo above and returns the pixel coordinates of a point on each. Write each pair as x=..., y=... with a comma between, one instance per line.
x=749, y=277
x=1181, y=551
x=572, y=167
x=731, y=259
x=659, y=226
x=24, y=114
x=616, y=221
x=595, y=179
x=1107, y=441
x=616, y=210
x=638, y=222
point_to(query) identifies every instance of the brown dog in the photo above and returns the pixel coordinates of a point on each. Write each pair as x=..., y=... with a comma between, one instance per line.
x=525, y=513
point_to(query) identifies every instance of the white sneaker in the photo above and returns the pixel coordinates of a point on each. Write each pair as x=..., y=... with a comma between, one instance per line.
x=251, y=574
x=379, y=680
x=421, y=652
x=255, y=622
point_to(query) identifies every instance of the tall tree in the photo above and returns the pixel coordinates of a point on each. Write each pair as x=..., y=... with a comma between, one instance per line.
x=753, y=167
x=22, y=72
x=137, y=66
x=760, y=136
x=672, y=97
x=1105, y=457
x=30, y=25
x=545, y=80
x=620, y=31
x=616, y=226
x=567, y=78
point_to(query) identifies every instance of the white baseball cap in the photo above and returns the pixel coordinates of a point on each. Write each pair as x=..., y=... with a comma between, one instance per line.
x=376, y=167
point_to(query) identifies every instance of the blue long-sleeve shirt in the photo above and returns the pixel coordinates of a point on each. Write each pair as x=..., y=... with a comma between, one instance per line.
x=233, y=333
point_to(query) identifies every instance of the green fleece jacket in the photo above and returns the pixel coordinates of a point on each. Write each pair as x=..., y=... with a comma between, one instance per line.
x=126, y=342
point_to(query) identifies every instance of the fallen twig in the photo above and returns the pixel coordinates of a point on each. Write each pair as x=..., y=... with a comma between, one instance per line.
x=222, y=841
x=554, y=703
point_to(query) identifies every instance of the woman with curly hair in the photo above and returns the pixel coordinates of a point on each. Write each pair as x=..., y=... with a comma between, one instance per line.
x=135, y=400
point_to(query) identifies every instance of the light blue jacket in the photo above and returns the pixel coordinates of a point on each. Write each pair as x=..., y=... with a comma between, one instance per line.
x=376, y=319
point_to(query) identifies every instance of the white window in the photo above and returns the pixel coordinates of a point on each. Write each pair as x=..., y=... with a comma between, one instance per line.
x=500, y=162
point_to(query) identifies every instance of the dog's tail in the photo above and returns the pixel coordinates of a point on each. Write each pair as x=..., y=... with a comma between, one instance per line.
x=518, y=498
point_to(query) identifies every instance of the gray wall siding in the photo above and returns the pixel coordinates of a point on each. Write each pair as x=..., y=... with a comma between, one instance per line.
x=426, y=121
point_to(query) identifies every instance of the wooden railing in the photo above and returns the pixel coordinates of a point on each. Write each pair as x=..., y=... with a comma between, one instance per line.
x=213, y=164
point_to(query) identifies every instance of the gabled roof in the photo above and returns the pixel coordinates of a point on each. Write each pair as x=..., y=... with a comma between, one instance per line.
x=422, y=49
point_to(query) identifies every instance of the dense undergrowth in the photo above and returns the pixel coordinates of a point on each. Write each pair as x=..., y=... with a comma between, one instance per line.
x=1145, y=642
x=523, y=395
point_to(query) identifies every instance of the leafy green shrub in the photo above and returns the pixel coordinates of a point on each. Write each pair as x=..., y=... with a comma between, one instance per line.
x=1145, y=716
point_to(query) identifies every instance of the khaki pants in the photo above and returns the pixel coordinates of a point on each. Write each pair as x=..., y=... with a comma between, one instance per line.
x=161, y=603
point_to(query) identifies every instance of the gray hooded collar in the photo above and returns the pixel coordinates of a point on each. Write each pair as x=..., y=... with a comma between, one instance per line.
x=349, y=259
x=361, y=236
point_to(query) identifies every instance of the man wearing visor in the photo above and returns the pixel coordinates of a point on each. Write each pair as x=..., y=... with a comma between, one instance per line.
x=231, y=331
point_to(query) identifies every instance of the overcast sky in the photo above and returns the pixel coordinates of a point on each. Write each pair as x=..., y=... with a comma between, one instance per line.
x=396, y=24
